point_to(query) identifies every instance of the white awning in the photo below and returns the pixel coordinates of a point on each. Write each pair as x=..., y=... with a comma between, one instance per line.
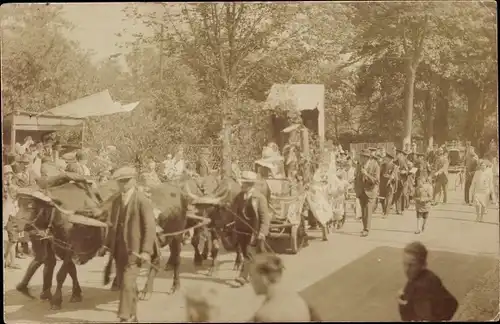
x=301, y=96
x=98, y=104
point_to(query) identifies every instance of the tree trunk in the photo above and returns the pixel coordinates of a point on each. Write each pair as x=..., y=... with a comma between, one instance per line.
x=408, y=102
x=473, y=94
x=442, y=108
x=428, y=119
x=226, y=102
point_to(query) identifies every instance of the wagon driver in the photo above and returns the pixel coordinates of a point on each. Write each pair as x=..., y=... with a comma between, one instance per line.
x=130, y=238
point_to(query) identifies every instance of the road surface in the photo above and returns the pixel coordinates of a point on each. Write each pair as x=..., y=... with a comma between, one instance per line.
x=450, y=227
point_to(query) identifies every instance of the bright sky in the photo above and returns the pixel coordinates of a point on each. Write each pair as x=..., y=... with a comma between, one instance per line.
x=97, y=25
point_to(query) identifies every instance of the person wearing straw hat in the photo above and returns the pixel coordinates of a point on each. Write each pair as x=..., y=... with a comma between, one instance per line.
x=132, y=233
x=25, y=176
x=366, y=187
x=252, y=222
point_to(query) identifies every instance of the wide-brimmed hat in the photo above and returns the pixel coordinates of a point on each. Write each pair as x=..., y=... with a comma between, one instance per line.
x=24, y=159
x=290, y=128
x=33, y=192
x=389, y=156
x=69, y=157
x=248, y=176
x=401, y=151
x=124, y=173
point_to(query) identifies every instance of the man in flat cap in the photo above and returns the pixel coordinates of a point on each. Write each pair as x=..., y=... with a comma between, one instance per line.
x=401, y=195
x=131, y=234
x=366, y=187
x=388, y=182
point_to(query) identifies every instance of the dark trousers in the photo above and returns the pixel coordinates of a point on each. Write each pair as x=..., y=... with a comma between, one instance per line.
x=389, y=196
x=440, y=186
x=367, y=204
x=400, y=197
x=468, y=182
x=127, y=271
x=248, y=251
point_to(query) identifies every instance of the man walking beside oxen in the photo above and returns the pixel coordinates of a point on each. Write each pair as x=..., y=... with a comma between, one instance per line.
x=130, y=239
x=252, y=222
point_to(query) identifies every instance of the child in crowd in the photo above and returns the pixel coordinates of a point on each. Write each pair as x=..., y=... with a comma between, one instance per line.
x=482, y=188
x=201, y=305
x=423, y=200
x=9, y=211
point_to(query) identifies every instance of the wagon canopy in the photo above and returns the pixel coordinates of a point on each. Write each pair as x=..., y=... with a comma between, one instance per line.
x=309, y=99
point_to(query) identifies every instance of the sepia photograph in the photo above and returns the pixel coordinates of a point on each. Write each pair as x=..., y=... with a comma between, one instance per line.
x=230, y=162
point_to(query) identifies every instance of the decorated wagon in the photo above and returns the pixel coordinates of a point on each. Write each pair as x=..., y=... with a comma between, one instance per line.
x=287, y=206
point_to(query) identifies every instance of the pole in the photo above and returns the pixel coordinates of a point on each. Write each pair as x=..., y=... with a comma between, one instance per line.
x=84, y=126
x=13, y=132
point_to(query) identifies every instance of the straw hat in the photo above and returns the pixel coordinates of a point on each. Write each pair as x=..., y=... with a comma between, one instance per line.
x=248, y=176
x=124, y=173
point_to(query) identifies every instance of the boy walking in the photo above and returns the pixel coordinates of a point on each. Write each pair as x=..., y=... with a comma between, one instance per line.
x=423, y=199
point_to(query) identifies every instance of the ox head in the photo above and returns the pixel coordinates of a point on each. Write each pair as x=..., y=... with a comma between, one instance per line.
x=215, y=204
x=80, y=233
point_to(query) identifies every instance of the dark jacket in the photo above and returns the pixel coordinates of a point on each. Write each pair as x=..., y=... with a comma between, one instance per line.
x=368, y=184
x=388, y=177
x=427, y=299
x=140, y=227
x=253, y=212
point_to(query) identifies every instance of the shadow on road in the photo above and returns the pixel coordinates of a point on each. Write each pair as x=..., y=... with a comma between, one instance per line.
x=39, y=311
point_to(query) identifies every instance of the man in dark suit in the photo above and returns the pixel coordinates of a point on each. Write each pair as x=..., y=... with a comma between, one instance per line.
x=130, y=239
x=366, y=187
x=252, y=222
x=424, y=297
x=401, y=195
x=388, y=182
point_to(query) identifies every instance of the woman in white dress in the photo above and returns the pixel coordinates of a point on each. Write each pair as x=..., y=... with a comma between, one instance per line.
x=481, y=188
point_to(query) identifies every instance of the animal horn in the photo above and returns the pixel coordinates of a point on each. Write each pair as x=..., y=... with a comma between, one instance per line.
x=190, y=194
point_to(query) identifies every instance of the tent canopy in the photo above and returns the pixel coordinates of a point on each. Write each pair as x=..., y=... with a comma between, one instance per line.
x=98, y=104
x=40, y=122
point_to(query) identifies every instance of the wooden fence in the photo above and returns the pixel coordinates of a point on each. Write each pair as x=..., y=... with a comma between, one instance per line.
x=390, y=147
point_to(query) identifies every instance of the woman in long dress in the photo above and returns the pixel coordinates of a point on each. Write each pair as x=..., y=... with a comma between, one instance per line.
x=481, y=189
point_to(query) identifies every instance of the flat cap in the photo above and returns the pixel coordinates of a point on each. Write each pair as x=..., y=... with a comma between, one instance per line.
x=372, y=149
x=365, y=153
x=124, y=173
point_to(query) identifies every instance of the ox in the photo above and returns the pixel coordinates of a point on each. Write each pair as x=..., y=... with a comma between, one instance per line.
x=218, y=205
x=55, y=232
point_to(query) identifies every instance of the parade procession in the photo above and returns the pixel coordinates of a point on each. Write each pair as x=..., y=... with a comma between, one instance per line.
x=155, y=185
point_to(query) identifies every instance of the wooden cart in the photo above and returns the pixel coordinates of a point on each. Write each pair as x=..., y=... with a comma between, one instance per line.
x=287, y=222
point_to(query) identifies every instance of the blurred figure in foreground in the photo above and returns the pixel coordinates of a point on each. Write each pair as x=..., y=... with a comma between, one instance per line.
x=281, y=304
x=201, y=305
x=424, y=298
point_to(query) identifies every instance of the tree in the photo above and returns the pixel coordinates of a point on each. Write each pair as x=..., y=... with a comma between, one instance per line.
x=224, y=43
x=41, y=68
